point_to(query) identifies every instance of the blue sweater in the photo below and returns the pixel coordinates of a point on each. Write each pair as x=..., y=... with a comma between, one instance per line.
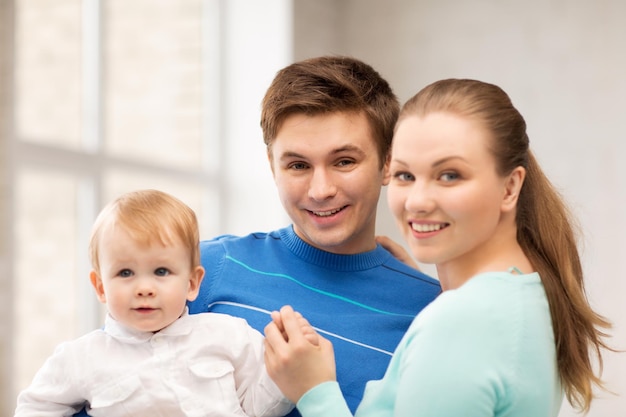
x=484, y=350
x=363, y=303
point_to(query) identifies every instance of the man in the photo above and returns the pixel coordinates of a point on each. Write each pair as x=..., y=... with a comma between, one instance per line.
x=328, y=124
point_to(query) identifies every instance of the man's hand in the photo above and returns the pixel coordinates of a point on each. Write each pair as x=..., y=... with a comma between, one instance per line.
x=397, y=251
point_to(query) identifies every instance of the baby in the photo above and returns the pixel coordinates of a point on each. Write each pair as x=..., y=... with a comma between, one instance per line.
x=152, y=357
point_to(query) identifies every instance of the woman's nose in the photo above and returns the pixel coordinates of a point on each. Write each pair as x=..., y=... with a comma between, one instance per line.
x=420, y=198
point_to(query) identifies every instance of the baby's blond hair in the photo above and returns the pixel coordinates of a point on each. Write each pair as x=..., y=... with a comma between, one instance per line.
x=148, y=216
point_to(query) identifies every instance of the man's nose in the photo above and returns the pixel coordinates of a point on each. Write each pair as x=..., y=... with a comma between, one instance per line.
x=322, y=185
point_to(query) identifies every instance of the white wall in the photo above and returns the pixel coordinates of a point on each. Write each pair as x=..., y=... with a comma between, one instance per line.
x=258, y=38
x=563, y=64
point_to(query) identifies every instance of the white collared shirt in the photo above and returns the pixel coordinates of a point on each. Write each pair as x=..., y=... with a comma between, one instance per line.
x=202, y=364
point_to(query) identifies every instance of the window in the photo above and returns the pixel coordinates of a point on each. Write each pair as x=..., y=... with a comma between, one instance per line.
x=110, y=96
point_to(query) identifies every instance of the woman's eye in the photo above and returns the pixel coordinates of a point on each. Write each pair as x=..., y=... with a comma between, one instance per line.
x=449, y=176
x=161, y=272
x=403, y=176
x=125, y=273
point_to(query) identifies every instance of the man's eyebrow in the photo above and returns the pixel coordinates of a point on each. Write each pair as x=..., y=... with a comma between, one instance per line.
x=346, y=148
x=290, y=154
x=349, y=148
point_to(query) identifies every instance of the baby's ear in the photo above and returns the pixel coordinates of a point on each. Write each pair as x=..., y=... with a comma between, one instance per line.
x=195, y=279
x=96, y=281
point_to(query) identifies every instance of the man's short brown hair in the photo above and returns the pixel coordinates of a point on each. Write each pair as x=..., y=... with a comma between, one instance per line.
x=330, y=84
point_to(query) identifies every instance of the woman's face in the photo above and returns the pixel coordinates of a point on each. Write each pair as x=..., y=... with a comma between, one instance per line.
x=445, y=192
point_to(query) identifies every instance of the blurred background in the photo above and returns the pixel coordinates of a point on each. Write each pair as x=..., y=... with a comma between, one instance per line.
x=99, y=97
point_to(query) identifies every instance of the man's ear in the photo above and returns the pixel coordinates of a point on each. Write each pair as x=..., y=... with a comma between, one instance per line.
x=512, y=188
x=270, y=159
x=386, y=172
x=195, y=280
x=96, y=281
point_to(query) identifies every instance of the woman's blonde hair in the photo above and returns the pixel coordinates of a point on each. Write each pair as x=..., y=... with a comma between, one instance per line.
x=546, y=229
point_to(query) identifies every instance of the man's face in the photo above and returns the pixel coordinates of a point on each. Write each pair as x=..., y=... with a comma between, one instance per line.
x=328, y=173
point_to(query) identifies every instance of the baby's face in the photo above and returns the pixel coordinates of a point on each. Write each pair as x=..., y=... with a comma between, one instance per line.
x=145, y=287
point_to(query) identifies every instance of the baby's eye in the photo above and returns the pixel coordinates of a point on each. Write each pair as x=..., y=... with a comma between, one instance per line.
x=161, y=272
x=125, y=273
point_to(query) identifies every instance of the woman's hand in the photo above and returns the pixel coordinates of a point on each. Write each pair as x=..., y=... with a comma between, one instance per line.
x=397, y=251
x=297, y=358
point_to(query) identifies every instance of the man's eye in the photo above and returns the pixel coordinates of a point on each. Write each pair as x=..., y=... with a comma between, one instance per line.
x=345, y=162
x=161, y=272
x=298, y=166
x=125, y=273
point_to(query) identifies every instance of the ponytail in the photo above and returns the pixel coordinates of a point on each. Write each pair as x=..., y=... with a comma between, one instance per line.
x=547, y=233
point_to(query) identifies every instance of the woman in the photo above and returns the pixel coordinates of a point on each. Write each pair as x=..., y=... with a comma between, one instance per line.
x=513, y=330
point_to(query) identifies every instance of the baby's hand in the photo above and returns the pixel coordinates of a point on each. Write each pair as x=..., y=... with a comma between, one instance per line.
x=307, y=330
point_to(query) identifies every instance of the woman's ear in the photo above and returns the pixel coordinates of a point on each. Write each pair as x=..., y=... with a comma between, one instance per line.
x=512, y=187
x=96, y=281
x=195, y=280
x=386, y=171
